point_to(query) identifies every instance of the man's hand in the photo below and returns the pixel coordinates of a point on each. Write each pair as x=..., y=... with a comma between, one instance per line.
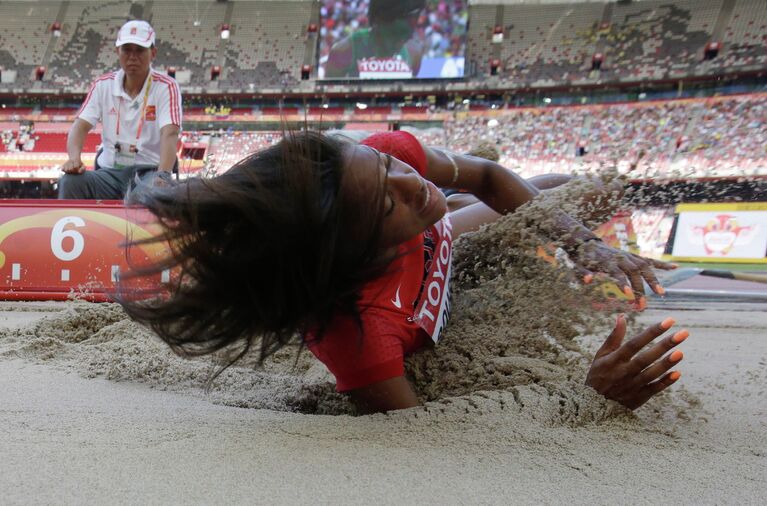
x=632, y=372
x=73, y=167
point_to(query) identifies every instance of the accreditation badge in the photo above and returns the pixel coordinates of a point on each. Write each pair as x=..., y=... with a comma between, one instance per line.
x=125, y=155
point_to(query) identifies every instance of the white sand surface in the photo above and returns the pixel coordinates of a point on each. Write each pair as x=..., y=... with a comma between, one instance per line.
x=68, y=439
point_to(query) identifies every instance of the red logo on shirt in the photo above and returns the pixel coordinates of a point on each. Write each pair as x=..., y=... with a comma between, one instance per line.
x=151, y=113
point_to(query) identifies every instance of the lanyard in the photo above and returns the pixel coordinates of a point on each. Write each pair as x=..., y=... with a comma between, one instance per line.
x=143, y=112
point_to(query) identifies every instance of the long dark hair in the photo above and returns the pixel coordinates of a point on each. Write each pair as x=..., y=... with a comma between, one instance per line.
x=272, y=248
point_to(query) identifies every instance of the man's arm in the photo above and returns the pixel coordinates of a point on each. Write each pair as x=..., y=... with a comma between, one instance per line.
x=168, y=144
x=75, y=143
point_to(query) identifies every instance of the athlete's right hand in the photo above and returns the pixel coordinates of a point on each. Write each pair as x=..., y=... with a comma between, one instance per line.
x=73, y=167
x=632, y=372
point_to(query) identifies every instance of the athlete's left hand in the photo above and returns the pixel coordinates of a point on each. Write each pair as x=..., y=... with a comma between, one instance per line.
x=632, y=372
x=626, y=269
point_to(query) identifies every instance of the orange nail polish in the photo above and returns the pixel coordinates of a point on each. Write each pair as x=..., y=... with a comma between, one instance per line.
x=675, y=375
x=588, y=278
x=660, y=290
x=628, y=291
x=642, y=304
x=667, y=323
x=680, y=336
x=676, y=356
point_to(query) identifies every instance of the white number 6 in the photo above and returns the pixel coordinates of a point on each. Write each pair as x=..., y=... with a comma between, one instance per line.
x=58, y=234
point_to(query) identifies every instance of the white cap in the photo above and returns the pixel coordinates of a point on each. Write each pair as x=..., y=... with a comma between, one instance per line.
x=136, y=32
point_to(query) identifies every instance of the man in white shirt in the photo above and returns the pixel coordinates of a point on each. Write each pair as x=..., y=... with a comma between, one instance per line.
x=140, y=113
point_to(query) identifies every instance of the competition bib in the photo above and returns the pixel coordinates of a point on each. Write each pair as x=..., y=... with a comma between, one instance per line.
x=433, y=310
x=384, y=68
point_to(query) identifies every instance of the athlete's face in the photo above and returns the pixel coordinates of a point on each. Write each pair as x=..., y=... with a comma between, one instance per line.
x=411, y=203
x=135, y=59
x=403, y=28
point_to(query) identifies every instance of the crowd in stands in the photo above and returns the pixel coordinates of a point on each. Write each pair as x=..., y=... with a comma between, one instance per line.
x=543, y=44
x=549, y=44
x=722, y=137
x=221, y=110
x=265, y=49
x=229, y=146
x=684, y=138
x=687, y=138
x=22, y=140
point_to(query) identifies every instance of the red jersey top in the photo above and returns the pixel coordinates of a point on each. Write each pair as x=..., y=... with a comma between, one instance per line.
x=400, y=310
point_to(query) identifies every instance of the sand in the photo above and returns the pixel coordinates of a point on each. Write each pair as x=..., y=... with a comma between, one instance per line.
x=96, y=410
x=67, y=439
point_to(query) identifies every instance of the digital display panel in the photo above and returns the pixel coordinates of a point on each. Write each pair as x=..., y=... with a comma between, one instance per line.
x=392, y=39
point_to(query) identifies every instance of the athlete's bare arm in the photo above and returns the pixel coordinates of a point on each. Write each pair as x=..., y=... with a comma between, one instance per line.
x=482, y=178
x=502, y=191
x=387, y=395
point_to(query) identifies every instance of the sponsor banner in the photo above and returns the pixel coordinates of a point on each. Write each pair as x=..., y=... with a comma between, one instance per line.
x=384, y=68
x=51, y=249
x=433, y=312
x=721, y=233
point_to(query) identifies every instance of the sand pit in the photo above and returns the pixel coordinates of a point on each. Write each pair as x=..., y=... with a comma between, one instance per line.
x=97, y=410
x=66, y=439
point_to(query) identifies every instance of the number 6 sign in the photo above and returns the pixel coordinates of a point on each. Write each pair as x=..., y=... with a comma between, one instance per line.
x=58, y=234
x=56, y=249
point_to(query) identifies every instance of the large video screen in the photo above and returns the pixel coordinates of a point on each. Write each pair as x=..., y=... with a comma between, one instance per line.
x=393, y=39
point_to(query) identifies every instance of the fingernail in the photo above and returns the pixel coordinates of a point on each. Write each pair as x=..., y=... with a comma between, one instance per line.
x=675, y=375
x=629, y=292
x=642, y=304
x=620, y=317
x=680, y=336
x=588, y=278
x=676, y=356
x=660, y=290
x=667, y=323
x=675, y=266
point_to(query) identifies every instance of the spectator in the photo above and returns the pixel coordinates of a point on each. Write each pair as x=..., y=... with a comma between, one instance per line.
x=140, y=113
